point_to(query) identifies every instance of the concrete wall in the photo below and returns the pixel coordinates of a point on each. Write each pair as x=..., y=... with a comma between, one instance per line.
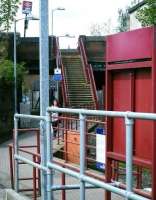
x=29, y=79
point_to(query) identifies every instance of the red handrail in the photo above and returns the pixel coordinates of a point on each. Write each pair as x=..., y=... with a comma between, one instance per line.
x=63, y=82
x=92, y=80
x=84, y=59
x=88, y=71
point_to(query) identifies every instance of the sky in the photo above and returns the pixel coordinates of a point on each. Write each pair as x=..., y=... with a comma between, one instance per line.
x=76, y=19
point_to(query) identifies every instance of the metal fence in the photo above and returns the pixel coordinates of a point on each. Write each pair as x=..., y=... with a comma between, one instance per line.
x=86, y=181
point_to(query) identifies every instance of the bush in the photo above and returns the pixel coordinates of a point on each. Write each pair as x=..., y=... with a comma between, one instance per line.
x=7, y=72
x=7, y=95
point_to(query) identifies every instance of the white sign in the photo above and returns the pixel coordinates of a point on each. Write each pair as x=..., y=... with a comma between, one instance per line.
x=26, y=7
x=57, y=71
x=100, y=148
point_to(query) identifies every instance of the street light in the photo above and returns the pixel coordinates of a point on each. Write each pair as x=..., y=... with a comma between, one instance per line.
x=52, y=17
x=15, y=59
x=67, y=35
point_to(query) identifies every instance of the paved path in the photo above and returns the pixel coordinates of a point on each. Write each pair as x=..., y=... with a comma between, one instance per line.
x=95, y=194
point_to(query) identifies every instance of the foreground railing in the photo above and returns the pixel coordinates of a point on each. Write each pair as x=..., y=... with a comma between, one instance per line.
x=49, y=165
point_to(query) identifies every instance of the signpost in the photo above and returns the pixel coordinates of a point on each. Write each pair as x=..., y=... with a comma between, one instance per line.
x=57, y=75
x=26, y=7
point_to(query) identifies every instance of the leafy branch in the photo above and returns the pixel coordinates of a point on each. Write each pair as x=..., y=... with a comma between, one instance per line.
x=147, y=14
x=8, y=10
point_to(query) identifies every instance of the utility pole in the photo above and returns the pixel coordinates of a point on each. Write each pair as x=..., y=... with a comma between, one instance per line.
x=44, y=85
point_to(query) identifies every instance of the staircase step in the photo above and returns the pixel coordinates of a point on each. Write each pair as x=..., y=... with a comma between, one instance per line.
x=78, y=95
x=81, y=86
x=74, y=95
x=75, y=90
x=79, y=92
x=77, y=83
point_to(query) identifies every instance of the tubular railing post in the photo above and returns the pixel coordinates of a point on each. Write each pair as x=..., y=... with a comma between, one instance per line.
x=34, y=180
x=129, y=154
x=63, y=177
x=16, y=145
x=43, y=160
x=11, y=166
x=38, y=160
x=49, y=142
x=82, y=154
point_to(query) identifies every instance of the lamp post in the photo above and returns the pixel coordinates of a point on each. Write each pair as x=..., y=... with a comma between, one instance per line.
x=15, y=60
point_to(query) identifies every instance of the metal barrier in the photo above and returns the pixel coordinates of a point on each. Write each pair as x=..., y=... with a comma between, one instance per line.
x=32, y=150
x=51, y=165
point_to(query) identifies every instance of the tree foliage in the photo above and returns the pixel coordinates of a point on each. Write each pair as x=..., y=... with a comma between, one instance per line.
x=7, y=71
x=101, y=29
x=8, y=10
x=147, y=14
x=123, y=20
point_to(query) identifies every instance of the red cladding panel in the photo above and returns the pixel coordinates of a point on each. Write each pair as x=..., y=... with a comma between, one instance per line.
x=135, y=44
x=143, y=103
x=131, y=91
x=121, y=102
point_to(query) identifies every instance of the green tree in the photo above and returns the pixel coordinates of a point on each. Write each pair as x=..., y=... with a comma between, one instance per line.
x=7, y=72
x=8, y=10
x=147, y=14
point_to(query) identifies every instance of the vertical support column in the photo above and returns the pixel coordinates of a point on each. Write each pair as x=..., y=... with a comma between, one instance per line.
x=49, y=137
x=109, y=121
x=16, y=145
x=44, y=86
x=153, y=71
x=15, y=73
x=82, y=154
x=129, y=154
